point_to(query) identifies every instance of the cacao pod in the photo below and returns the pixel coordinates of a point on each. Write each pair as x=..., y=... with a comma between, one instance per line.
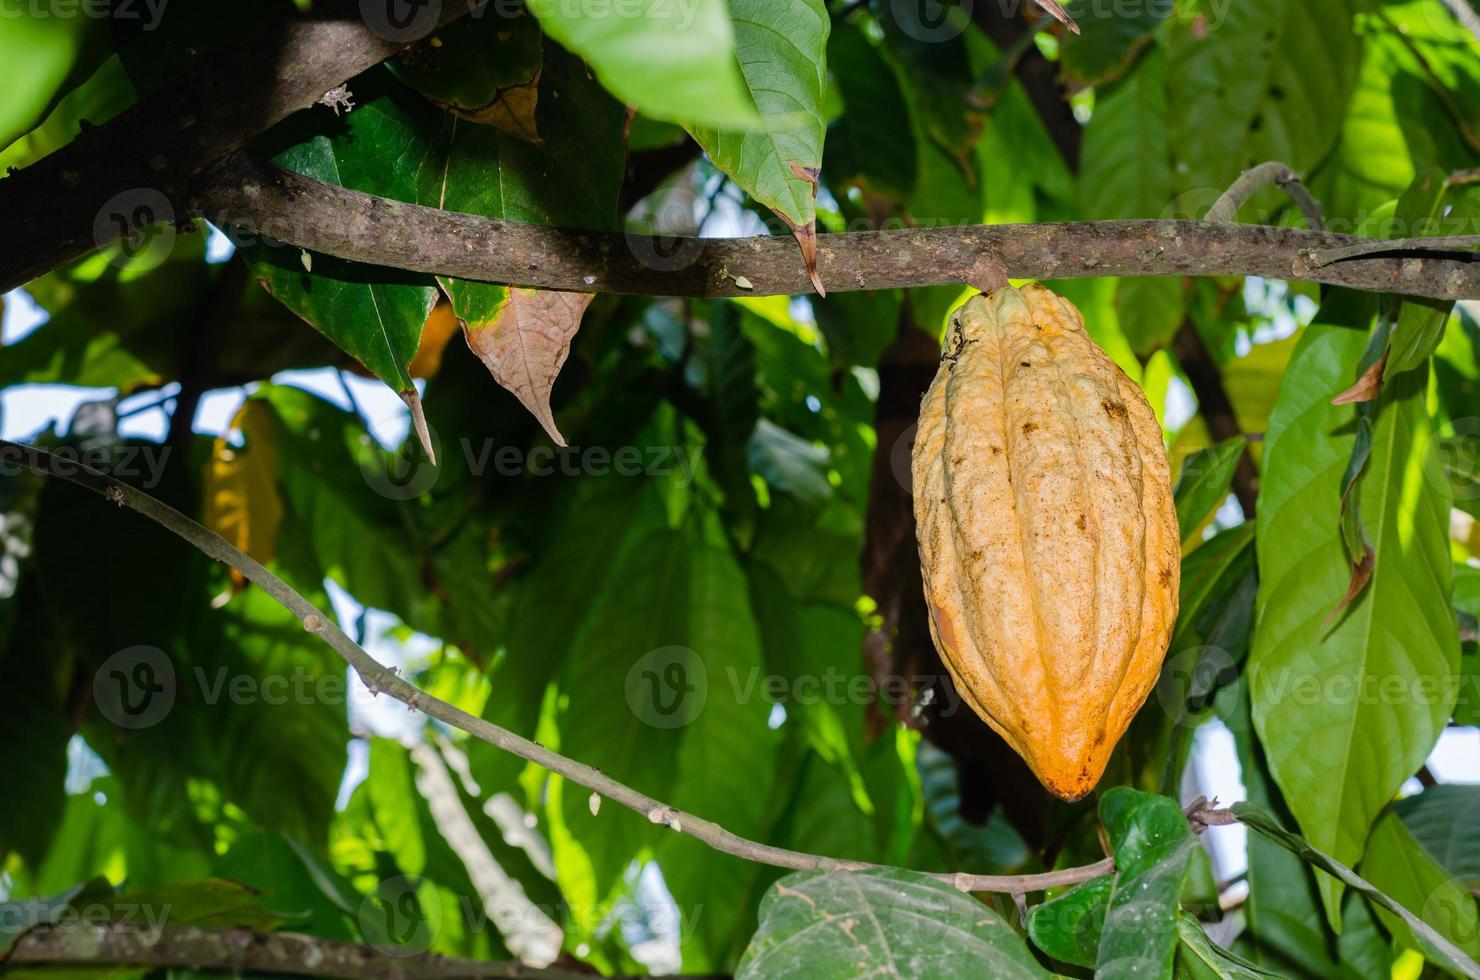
x=1048, y=537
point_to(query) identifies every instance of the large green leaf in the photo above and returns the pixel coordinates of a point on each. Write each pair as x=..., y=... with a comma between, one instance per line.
x=1445, y=819
x=873, y=141
x=1127, y=167
x=828, y=926
x=1109, y=38
x=783, y=53
x=1274, y=74
x=1337, y=747
x=374, y=314
x=1152, y=846
x=1451, y=956
x=1198, y=957
x=570, y=180
x=1397, y=865
x=672, y=61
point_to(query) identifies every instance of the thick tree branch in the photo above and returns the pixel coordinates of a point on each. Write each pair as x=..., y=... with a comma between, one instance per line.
x=241, y=950
x=380, y=679
x=48, y=211
x=325, y=218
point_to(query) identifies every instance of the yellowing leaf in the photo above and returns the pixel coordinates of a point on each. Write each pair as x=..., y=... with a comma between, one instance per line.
x=242, y=503
x=440, y=326
x=525, y=344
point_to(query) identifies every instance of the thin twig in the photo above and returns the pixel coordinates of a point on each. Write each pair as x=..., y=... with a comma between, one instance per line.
x=380, y=679
x=1252, y=181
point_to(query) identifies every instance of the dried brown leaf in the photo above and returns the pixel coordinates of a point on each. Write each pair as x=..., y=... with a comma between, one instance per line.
x=1058, y=13
x=1361, y=575
x=526, y=343
x=1367, y=388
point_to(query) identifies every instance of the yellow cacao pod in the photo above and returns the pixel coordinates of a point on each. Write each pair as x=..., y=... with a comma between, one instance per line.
x=1048, y=537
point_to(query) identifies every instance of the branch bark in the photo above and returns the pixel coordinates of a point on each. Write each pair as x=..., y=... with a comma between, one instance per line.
x=48, y=211
x=1255, y=179
x=238, y=950
x=336, y=221
x=382, y=680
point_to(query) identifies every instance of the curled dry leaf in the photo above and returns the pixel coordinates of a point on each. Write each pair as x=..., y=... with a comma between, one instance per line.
x=527, y=342
x=1361, y=575
x=1058, y=13
x=1368, y=386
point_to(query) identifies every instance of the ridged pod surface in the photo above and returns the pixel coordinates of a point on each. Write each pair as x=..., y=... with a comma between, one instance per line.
x=1048, y=537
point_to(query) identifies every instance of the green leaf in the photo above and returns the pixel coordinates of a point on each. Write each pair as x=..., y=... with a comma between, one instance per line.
x=872, y=143
x=1151, y=310
x=828, y=926
x=1152, y=845
x=289, y=880
x=789, y=463
x=1445, y=819
x=1203, y=485
x=1337, y=747
x=1199, y=957
x=1397, y=865
x=44, y=55
x=1068, y=927
x=1126, y=168
x=1428, y=207
x=571, y=180
x=1109, y=39
x=484, y=68
x=1276, y=76
x=374, y=314
x=17, y=917
x=1259, y=820
x=783, y=53
x=675, y=62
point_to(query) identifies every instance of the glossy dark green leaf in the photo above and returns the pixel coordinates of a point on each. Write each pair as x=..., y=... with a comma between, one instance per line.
x=1313, y=681
x=838, y=924
x=1068, y=926
x=374, y=314
x=1450, y=955
x=486, y=69
x=1152, y=845
x=290, y=880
